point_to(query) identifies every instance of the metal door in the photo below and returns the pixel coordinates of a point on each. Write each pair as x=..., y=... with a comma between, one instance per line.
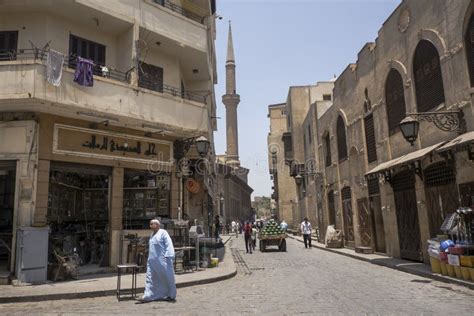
x=407, y=215
x=347, y=215
x=441, y=194
x=365, y=224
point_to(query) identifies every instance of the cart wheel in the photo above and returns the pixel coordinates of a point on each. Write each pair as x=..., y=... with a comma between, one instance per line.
x=283, y=246
x=261, y=245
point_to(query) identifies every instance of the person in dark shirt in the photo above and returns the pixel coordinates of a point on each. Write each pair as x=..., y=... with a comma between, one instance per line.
x=248, y=237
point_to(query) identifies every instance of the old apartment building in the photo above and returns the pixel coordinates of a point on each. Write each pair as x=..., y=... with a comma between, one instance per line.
x=97, y=102
x=381, y=191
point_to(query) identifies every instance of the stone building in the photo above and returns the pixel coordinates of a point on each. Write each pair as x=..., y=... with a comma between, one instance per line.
x=294, y=151
x=379, y=190
x=91, y=153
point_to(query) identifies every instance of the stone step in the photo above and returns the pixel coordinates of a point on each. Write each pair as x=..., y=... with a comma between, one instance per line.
x=366, y=250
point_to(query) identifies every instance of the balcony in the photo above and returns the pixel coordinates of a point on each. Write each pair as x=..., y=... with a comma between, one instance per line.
x=180, y=10
x=24, y=88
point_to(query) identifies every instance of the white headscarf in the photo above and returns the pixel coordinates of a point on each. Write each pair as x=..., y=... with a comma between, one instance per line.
x=155, y=221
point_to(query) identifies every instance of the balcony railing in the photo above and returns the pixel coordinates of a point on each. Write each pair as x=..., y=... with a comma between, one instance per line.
x=176, y=8
x=147, y=82
x=151, y=83
x=41, y=55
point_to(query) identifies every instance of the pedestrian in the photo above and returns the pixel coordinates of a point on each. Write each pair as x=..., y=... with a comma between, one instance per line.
x=254, y=237
x=217, y=225
x=235, y=229
x=248, y=237
x=306, y=231
x=227, y=228
x=283, y=225
x=160, y=283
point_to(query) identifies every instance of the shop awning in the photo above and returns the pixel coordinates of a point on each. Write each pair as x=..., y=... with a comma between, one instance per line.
x=462, y=141
x=404, y=159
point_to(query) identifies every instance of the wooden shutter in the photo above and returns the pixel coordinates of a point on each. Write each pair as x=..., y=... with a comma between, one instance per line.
x=395, y=99
x=8, y=45
x=341, y=139
x=327, y=143
x=428, y=79
x=370, y=138
x=470, y=49
x=150, y=77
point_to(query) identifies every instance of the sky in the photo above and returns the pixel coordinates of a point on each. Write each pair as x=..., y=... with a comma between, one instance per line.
x=283, y=43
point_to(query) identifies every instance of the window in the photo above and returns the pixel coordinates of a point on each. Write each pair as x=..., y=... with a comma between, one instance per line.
x=395, y=99
x=428, y=79
x=327, y=97
x=8, y=45
x=341, y=139
x=370, y=138
x=327, y=145
x=79, y=47
x=310, y=138
x=150, y=77
x=469, y=38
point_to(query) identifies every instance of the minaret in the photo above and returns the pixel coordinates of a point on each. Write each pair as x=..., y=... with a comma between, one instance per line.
x=231, y=100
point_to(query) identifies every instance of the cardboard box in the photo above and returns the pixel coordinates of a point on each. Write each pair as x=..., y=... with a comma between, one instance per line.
x=467, y=261
x=454, y=260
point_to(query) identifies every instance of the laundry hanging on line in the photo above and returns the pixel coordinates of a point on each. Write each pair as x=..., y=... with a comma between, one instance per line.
x=83, y=74
x=54, y=67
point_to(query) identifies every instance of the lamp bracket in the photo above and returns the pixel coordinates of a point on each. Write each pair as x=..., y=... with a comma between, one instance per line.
x=447, y=121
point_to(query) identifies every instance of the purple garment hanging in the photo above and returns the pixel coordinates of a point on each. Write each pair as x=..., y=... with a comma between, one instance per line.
x=83, y=74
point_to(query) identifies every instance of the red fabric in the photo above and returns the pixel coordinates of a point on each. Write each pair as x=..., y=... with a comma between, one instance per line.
x=248, y=230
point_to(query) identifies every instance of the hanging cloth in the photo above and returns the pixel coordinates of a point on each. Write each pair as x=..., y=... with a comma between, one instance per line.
x=83, y=74
x=54, y=67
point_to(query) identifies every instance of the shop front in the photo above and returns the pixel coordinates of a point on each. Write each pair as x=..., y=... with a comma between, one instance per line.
x=102, y=184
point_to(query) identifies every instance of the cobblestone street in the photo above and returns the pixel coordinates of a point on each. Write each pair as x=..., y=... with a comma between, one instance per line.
x=300, y=281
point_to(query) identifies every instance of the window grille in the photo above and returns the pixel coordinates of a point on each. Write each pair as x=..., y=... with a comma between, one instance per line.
x=341, y=139
x=428, y=78
x=395, y=99
x=439, y=174
x=327, y=144
x=469, y=39
x=370, y=138
x=373, y=186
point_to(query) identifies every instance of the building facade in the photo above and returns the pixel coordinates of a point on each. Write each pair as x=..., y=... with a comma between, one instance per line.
x=97, y=102
x=369, y=182
x=382, y=192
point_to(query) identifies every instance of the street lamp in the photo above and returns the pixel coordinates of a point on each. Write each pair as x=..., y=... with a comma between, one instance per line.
x=299, y=179
x=447, y=121
x=202, y=146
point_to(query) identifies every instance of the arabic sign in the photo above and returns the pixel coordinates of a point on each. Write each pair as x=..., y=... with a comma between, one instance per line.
x=103, y=144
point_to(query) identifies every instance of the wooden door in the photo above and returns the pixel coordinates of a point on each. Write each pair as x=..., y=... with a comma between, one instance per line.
x=365, y=223
x=407, y=216
x=347, y=215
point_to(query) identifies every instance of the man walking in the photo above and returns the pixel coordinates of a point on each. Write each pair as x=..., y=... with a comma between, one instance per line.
x=248, y=237
x=306, y=231
x=160, y=282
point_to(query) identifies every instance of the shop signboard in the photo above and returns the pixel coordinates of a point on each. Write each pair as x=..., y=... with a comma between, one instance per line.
x=110, y=145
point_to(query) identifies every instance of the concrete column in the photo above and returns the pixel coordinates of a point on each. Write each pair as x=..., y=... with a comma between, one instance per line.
x=116, y=209
x=174, y=195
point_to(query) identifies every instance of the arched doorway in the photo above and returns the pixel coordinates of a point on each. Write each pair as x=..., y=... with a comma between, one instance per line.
x=403, y=185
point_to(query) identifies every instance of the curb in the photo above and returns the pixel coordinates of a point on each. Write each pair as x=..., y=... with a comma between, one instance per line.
x=399, y=268
x=102, y=293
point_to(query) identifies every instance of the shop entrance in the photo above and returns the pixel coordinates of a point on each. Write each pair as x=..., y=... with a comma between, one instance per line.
x=7, y=205
x=403, y=185
x=78, y=214
x=441, y=194
x=348, y=217
x=375, y=209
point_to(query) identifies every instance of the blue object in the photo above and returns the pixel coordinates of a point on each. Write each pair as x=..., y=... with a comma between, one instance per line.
x=446, y=244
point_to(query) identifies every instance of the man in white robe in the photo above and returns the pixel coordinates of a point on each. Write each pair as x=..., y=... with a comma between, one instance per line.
x=160, y=283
